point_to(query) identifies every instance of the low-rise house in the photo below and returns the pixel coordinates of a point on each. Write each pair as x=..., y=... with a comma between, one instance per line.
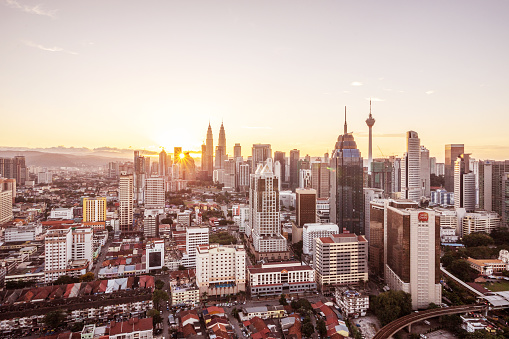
x=263, y=312
x=352, y=302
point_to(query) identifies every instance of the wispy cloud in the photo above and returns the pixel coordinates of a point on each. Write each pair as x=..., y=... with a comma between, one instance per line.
x=257, y=127
x=37, y=9
x=375, y=99
x=49, y=49
x=430, y=92
x=380, y=135
x=356, y=83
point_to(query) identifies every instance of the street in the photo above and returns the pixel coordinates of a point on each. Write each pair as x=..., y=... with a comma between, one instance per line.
x=101, y=257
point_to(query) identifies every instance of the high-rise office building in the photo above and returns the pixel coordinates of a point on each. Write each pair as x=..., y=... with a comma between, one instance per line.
x=411, y=169
x=320, y=178
x=411, y=251
x=382, y=175
x=425, y=174
x=304, y=178
x=479, y=222
x=208, y=153
x=229, y=174
x=396, y=174
x=7, y=195
x=139, y=177
x=151, y=223
x=294, y=169
x=370, y=121
x=464, y=184
x=113, y=170
x=82, y=243
x=221, y=149
x=433, y=165
x=491, y=186
x=125, y=210
x=305, y=203
x=237, y=152
x=177, y=154
x=94, y=209
x=452, y=151
x=312, y=231
x=280, y=156
x=260, y=153
x=154, y=193
x=163, y=163
x=264, y=207
x=14, y=168
x=195, y=236
x=347, y=181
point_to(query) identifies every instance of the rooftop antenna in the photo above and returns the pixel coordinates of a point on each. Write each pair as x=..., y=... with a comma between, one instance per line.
x=345, y=121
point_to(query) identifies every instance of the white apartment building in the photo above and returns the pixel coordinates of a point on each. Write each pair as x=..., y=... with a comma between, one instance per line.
x=58, y=252
x=82, y=243
x=195, y=236
x=479, y=222
x=304, y=178
x=151, y=223
x=448, y=224
x=154, y=193
x=221, y=270
x=185, y=295
x=464, y=184
x=287, y=199
x=351, y=302
x=341, y=259
x=94, y=209
x=312, y=231
x=22, y=233
x=184, y=218
x=241, y=217
x=62, y=213
x=44, y=177
x=289, y=277
x=126, y=196
x=264, y=210
x=7, y=194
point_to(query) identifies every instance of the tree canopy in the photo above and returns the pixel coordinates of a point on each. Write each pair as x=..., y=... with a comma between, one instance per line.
x=54, y=319
x=391, y=305
x=477, y=239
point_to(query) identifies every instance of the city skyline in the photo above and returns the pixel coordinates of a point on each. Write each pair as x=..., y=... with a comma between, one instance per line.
x=132, y=76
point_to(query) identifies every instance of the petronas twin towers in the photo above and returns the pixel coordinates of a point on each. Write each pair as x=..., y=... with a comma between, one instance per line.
x=208, y=151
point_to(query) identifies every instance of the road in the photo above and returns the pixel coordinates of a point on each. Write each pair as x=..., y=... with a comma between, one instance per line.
x=102, y=256
x=392, y=328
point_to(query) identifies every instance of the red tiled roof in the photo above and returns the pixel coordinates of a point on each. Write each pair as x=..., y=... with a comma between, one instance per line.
x=134, y=324
x=188, y=330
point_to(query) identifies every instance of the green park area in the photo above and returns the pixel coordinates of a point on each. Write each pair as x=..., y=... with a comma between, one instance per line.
x=497, y=286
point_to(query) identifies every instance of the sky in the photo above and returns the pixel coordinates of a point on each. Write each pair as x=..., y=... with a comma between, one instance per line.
x=151, y=74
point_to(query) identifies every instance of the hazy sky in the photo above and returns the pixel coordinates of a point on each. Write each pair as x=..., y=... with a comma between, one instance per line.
x=145, y=74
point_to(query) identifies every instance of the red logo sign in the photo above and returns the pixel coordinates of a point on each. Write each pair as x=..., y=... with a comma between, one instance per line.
x=423, y=216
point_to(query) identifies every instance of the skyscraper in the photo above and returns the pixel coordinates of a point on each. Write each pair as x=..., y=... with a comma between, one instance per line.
x=280, y=156
x=294, y=169
x=264, y=211
x=125, y=210
x=320, y=178
x=221, y=148
x=425, y=172
x=411, y=169
x=163, y=165
x=208, y=162
x=237, y=152
x=7, y=195
x=305, y=202
x=94, y=209
x=464, y=184
x=260, y=153
x=347, y=196
x=154, y=193
x=370, y=121
x=452, y=151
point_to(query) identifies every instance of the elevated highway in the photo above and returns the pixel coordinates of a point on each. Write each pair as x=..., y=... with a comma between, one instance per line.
x=390, y=329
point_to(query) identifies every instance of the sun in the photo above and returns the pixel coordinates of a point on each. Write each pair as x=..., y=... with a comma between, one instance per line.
x=182, y=155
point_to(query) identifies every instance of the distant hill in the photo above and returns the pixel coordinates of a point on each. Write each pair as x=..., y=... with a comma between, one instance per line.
x=46, y=159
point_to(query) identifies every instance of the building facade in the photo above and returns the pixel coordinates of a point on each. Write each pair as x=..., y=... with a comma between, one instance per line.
x=94, y=209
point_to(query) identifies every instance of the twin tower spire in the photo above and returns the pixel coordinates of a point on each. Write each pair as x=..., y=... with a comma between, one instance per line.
x=208, y=150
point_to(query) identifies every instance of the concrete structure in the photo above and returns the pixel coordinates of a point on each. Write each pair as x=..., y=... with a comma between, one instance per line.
x=184, y=218
x=44, y=177
x=352, y=303
x=481, y=221
x=341, y=259
x=425, y=172
x=126, y=199
x=304, y=178
x=312, y=231
x=370, y=194
x=273, y=279
x=320, y=178
x=58, y=252
x=240, y=215
x=347, y=181
x=208, y=159
x=221, y=270
x=134, y=328
x=264, y=210
x=221, y=149
x=62, y=213
x=94, y=209
x=294, y=169
x=370, y=121
x=260, y=154
x=151, y=223
x=487, y=266
x=22, y=233
x=82, y=243
x=154, y=255
x=411, y=169
x=185, y=295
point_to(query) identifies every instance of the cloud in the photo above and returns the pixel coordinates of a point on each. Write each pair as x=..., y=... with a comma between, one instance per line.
x=257, y=127
x=37, y=9
x=356, y=83
x=380, y=135
x=49, y=49
x=430, y=92
x=375, y=99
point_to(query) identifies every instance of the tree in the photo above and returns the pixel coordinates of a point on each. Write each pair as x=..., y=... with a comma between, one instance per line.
x=204, y=297
x=89, y=276
x=155, y=315
x=460, y=269
x=322, y=329
x=159, y=284
x=308, y=329
x=294, y=305
x=477, y=239
x=297, y=249
x=432, y=306
x=182, y=268
x=77, y=327
x=391, y=305
x=165, y=269
x=282, y=300
x=65, y=279
x=54, y=319
x=168, y=221
x=109, y=228
x=158, y=296
x=235, y=313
